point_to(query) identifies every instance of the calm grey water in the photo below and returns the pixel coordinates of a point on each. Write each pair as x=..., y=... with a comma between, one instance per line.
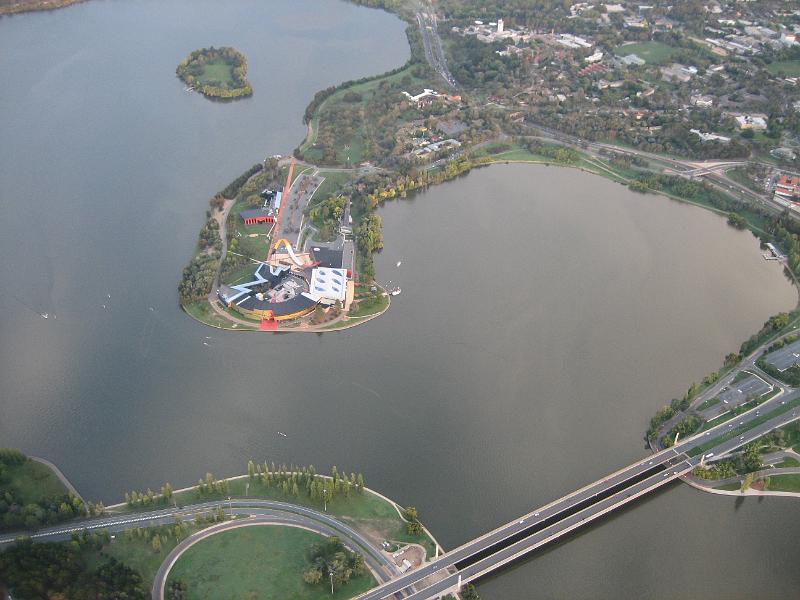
x=545, y=313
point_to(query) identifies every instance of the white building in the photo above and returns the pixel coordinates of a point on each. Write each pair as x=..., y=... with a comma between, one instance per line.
x=710, y=137
x=327, y=285
x=754, y=122
x=596, y=57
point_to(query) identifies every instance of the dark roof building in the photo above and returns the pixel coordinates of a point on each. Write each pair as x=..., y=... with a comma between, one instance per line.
x=254, y=216
x=328, y=257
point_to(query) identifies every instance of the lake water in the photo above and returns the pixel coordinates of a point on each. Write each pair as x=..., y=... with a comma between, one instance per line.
x=545, y=313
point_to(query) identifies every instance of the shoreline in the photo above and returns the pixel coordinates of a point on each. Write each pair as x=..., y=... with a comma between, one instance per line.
x=37, y=6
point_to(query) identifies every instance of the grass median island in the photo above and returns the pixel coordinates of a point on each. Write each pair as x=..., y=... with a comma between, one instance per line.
x=216, y=73
x=260, y=561
x=739, y=430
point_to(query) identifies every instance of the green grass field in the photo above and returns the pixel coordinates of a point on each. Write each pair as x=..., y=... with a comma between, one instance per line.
x=256, y=562
x=784, y=483
x=334, y=180
x=370, y=309
x=708, y=404
x=790, y=68
x=367, y=512
x=217, y=72
x=654, y=53
x=32, y=481
x=741, y=376
x=730, y=487
x=351, y=148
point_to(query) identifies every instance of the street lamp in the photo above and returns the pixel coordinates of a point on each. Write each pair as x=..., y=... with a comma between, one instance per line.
x=230, y=506
x=331, y=574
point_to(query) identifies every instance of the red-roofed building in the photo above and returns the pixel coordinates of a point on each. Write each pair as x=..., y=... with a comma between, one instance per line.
x=788, y=186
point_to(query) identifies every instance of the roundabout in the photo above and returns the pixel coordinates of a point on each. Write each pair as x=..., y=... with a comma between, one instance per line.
x=263, y=556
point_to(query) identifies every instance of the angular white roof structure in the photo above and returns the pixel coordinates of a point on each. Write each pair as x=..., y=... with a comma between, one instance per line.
x=327, y=285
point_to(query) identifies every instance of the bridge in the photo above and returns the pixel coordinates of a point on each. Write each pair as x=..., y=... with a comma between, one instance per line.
x=508, y=543
x=512, y=541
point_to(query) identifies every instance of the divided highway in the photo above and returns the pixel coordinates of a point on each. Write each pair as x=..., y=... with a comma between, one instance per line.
x=505, y=544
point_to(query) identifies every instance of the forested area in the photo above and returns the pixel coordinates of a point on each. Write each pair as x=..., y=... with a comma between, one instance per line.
x=62, y=571
x=216, y=72
x=23, y=505
x=331, y=561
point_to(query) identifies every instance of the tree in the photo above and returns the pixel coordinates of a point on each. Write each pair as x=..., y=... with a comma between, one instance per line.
x=156, y=543
x=747, y=482
x=312, y=576
x=177, y=590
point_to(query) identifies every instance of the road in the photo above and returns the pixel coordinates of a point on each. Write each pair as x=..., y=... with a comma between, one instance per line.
x=166, y=516
x=524, y=535
x=432, y=43
x=382, y=567
x=492, y=550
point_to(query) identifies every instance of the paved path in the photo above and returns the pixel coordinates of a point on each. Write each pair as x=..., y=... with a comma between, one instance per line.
x=63, y=478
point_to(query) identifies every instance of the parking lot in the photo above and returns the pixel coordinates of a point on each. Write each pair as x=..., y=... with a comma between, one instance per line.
x=747, y=388
x=785, y=357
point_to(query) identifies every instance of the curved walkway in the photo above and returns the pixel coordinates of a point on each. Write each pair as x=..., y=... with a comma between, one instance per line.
x=61, y=477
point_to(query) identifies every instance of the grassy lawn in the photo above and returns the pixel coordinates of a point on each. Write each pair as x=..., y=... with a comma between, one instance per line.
x=741, y=376
x=730, y=487
x=201, y=311
x=654, y=53
x=256, y=562
x=784, y=483
x=741, y=176
x=138, y=554
x=217, y=71
x=790, y=68
x=370, y=308
x=333, y=182
x=708, y=404
x=368, y=512
x=348, y=125
x=32, y=481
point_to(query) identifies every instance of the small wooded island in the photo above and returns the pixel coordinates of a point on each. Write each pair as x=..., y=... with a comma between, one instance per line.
x=216, y=73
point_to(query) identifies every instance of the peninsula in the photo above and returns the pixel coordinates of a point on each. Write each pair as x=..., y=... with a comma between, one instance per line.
x=219, y=73
x=464, y=100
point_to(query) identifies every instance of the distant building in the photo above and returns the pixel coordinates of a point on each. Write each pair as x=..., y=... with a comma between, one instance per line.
x=573, y=41
x=596, y=57
x=710, y=137
x=783, y=153
x=257, y=216
x=788, y=186
x=678, y=72
x=500, y=26
x=754, y=122
x=702, y=101
x=632, y=60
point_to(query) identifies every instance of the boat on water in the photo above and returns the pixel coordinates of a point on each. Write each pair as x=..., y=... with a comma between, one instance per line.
x=395, y=292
